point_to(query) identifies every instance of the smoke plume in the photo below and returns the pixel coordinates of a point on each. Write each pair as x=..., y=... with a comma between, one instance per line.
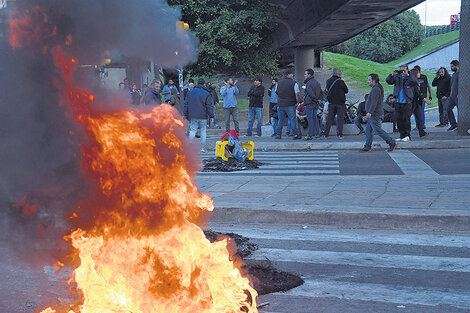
x=41, y=183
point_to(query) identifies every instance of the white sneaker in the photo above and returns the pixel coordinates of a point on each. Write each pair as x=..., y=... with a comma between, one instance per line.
x=203, y=150
x=407, y=138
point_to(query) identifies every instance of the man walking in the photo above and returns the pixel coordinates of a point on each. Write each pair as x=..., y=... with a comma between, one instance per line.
x=197, y=107
x=287, y=98
x=313, y=96
x=374, y=116
x=404, y=93
x=442, y=82
x=454, y=93
x=336, y=96
x=228, y=92
x=255, y=108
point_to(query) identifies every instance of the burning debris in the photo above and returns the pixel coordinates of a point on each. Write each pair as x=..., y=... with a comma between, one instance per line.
x=131, y=224
x=231, y=165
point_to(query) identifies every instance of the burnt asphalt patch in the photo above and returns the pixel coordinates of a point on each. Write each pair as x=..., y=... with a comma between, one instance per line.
x=232, y=165
x=263, y=275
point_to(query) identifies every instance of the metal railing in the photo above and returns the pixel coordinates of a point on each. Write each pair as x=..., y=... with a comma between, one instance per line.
x=443, y=30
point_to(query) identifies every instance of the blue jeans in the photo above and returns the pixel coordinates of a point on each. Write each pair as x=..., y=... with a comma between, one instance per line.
x=252, y=113
x=312, y=120
x=374, y=124
x=290, y=111
x=215, y=120
x=194, y=124
x=274, y=124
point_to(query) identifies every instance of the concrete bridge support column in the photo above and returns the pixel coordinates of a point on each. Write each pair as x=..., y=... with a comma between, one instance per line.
x=304, y=58
x=464, y=72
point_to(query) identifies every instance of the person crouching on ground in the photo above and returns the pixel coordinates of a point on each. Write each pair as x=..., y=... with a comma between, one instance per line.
x=197, y=106
x=361, y=112
x=255, y=108
x=374, y=116
x=390, y=114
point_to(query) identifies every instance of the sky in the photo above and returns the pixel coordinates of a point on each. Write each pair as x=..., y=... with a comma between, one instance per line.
x=439, y=11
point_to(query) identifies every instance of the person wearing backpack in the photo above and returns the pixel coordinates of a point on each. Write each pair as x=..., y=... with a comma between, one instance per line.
x=336, y=90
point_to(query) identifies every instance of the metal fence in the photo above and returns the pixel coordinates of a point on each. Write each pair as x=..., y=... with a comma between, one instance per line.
x=443, y=30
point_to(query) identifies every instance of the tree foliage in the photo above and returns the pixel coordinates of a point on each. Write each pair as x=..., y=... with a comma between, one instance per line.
x=235, y=35
x=387, y=41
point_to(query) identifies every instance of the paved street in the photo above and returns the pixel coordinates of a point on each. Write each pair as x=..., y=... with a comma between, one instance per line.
x=373, y=232
x=348, y=162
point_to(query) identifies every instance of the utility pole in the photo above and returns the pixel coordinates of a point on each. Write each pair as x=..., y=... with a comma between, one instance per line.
x=464, y=72
x=425, y=17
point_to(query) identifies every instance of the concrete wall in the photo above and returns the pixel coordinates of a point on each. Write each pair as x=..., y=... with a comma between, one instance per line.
x=435, y=60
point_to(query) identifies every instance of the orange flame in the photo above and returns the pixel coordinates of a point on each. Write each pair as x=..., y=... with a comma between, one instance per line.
x=144, y=252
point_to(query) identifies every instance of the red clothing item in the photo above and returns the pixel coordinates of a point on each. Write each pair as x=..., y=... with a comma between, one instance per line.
x=233, y=132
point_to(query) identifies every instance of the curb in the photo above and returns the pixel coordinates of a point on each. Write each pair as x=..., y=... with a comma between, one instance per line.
x=318, y=145
x=343, y=220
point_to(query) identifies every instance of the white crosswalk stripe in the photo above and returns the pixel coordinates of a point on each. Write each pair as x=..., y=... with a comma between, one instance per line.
x=288, y=164
x=366, y=266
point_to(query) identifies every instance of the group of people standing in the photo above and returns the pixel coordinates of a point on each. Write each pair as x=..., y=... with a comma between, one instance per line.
x=155, y=95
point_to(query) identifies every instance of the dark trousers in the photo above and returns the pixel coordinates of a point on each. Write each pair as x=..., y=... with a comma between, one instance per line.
x=417, y=109
x=391, y=117
x=234, y=113
x=403, y=119
x=335, y=109
x=312, y=118
x=451, y=104
x=443, y=119
x=374, y=125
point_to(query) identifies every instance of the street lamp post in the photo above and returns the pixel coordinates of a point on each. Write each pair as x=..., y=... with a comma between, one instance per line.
x=464, y=72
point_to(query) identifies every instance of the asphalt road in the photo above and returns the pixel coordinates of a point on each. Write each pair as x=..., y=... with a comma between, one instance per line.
x=443, y=162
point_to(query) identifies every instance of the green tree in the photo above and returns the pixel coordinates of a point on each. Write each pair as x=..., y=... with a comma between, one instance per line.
x=387, y=41
x=235, y=35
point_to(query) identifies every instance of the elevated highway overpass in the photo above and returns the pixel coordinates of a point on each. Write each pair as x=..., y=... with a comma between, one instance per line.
x=306, y=27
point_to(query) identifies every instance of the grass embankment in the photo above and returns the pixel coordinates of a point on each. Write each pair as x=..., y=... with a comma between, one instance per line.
x=427, y=45
x=356, y=70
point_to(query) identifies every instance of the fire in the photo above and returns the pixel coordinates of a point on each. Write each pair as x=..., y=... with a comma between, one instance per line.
x=144, y=251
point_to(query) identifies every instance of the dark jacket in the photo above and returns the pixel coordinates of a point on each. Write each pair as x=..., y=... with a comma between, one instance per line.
x=423, y=85
x=313, y=92
x=337, y=94
x=153, y=98
x=361, y=109
x=198, y=104
x=374, y=104
x=408, y=83
x=454, y=92
x=273, y=111
x=256, y=95
x=285, y=92
x=388, y=107
x=443, y=86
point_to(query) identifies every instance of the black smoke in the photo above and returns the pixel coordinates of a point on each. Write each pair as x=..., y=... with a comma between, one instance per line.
x=39, y=139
